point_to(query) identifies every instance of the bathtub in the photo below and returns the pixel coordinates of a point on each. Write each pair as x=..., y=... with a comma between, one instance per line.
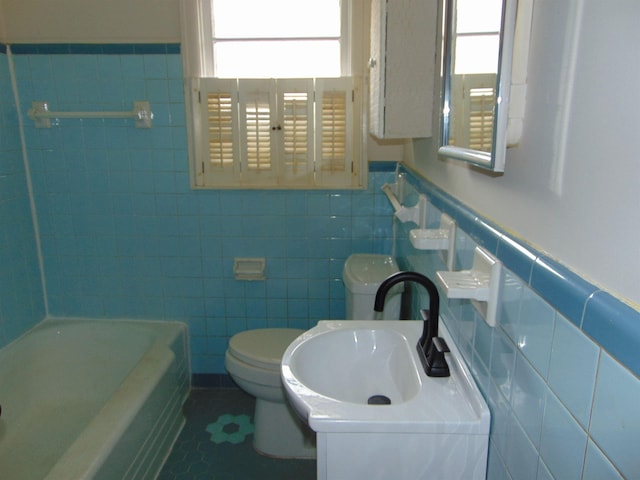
x=92, y=399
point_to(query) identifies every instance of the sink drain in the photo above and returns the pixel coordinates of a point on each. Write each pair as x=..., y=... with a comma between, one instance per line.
x=379, y=400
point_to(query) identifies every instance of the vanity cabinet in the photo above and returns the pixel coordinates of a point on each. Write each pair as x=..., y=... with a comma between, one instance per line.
x=402, y=66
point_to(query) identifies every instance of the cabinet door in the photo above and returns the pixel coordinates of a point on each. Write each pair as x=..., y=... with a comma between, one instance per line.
x=376, y=67
x=402, y=67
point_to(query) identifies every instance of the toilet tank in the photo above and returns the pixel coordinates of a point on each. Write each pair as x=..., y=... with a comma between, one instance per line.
x=362, y=275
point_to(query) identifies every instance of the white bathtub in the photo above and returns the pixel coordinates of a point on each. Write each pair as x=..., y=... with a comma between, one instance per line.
x=92, y=399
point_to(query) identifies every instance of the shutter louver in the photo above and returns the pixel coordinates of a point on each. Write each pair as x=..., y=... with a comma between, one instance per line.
x=220, y=129
x=336, y=100
x=481, y=102
x=334, y=131
x=258, y=135
x=258, y=131
x=295, y=131
x=295, y=140
x=219, y=147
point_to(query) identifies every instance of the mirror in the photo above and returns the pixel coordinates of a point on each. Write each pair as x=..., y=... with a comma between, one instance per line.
x=477, y=56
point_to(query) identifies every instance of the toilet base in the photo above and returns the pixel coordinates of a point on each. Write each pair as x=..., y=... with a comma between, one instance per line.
x=280, y=433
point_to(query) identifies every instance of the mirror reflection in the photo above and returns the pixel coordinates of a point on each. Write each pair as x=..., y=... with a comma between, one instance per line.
x=471, y=97
x=476, y=41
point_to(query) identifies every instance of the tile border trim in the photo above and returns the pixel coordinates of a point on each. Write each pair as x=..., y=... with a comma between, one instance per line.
x=93, y=48
x=382, y=166
x=610, y=322
x=212, y=380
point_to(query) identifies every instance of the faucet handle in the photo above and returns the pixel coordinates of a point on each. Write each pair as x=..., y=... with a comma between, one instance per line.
x=436, y=363
x=441, y=345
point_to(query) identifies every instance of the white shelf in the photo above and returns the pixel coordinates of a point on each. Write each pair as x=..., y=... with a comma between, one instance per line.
x=443, y=239
x=429, y=239
x=481, y=284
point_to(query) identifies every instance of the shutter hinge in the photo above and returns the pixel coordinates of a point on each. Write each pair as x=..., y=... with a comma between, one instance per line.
x=202, y=168
x=353, y=96
x=199, y=96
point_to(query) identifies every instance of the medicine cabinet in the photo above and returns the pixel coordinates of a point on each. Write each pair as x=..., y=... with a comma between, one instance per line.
x=485, y=56
x=402, y=67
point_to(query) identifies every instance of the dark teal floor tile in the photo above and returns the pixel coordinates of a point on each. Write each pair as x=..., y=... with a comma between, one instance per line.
x=195, y=456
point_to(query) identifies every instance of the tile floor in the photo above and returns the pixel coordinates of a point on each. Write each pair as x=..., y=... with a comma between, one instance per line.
x=216, y=443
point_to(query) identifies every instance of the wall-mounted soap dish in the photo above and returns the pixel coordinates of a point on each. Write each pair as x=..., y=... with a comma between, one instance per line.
x=481, y=284
x=249, y=268
x=442, y=239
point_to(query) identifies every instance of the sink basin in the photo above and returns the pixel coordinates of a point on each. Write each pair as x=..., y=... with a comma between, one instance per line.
x=330, y=372
x=361, y=387
x=357, y=365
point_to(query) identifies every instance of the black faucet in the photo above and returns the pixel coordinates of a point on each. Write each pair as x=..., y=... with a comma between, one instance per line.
x=431, y=348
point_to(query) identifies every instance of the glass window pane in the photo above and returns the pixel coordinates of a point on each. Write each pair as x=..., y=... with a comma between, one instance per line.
x=276, y=19
x=477, y=54
x=293, y=59
x=475, y=16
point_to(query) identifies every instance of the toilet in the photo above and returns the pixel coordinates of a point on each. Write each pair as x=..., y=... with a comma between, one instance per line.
x=253, y=360
x=362, y=275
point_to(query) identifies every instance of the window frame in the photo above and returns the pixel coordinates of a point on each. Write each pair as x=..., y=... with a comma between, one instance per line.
x=197, y=54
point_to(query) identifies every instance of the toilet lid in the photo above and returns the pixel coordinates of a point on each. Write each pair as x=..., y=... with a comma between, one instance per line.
x=263, y=347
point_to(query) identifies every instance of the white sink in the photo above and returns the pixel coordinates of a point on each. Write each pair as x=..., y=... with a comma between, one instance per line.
x=432, y=426
x=357, y=364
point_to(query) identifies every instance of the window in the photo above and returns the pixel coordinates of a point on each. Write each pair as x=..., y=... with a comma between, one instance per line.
x=260, y=45
x=476, y=65
x=272, y=98
x=477, y=36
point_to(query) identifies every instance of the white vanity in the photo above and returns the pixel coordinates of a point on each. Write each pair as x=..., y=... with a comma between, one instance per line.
x=428, y=427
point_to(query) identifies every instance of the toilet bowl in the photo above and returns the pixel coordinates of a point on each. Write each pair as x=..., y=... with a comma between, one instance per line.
x=253, y=361
x=254, y=356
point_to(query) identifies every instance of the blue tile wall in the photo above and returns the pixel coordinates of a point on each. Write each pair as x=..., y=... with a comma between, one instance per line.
x=21, y=297
x=124, y=235
x=559, y=372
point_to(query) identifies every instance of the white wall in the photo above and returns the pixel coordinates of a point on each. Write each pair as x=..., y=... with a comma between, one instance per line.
x=572, y=186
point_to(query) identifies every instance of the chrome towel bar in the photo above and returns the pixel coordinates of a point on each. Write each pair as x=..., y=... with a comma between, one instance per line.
x=42, y=116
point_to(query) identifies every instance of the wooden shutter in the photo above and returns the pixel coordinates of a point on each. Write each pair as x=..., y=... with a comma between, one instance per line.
x=294, y=151
x=481, y=101
x=258, y=127
x=335, y=146
x=473, y=119
x=219, y=151
x=299, y=133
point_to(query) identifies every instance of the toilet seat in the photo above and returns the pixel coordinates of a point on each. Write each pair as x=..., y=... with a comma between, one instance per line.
x=263, y=348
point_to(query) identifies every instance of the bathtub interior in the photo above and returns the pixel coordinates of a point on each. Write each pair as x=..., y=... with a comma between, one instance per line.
x=92, y=399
